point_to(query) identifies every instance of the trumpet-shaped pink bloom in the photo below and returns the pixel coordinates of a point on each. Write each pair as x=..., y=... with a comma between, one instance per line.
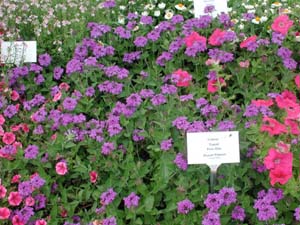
x=248, y=41
x=272, y=126
x=297, y=81
x=282, y=24
x=61, y=168
x=280, y=166
x=217, y=37
x=8, y=138
x=41, y=222
x=2, y=191
x=212, y=85
x=182, y=78
x=14, y=198
x=93, y=176
x=194, y=37
x=261, y=102
x=4, y=213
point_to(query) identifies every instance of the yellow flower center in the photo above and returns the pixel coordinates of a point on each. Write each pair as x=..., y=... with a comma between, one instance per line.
x=257, y=18
x=180, y=5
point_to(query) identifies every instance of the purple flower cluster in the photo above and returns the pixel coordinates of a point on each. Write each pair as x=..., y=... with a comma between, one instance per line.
x=220, y=55
x=225, y=197
x=263, y=204
x=131, y=200
x=185, y=206
x=107, y=197
x=165, y=145
x=285, y=55
x=181, y=162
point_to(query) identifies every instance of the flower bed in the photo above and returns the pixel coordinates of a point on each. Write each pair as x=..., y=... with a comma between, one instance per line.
x=101, y=138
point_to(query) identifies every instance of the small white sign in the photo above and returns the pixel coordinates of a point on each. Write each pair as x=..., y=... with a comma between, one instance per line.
x=219, y=6
x=18, y=52
x=213, y=148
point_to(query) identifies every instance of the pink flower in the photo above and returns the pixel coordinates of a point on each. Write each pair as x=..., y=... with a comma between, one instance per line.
x=1, y=131
x=293, y=113
x=276, y=158
x=2, y=191
x=14, y=198
x=182, y=78
x=248, y=41
x=280, y=175
x=16, y=220
x=2, y=119
x=261, y=102
x=4, y=213
x=93, y=176
x=61, y=168
x=286, y=100
x=280, y=166
x=14, y=95
x=194, y=37
x=283, y=147
x=244, y=64
x=8, y=138
x=41, y=222
x=64, y=86
x=29, y=201
x=297, y=81
x=212, y=85
x=16, y=179
x=294, y=127
x=273, y=127
x=282, y=24
x=57, y=96
x=217, y=37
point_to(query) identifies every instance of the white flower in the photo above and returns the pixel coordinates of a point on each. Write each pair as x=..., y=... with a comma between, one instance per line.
x=122, y=7
x=276, y=4
x=180, y=7
x=169, y=15
x=251, y=11
x=249, y=6
x=145, y=13
x=157, y=13
x=256, y=20
x=161, y=5
x=263, y=19
x=286, y=11
x=241, y=26
x=121, y=19
x=149, y=6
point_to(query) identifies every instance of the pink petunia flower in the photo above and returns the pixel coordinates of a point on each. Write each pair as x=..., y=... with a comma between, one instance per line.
x=272, y=126
x=182, y=78
x=93, y=176
x=212, y=85
x=297, y=81
x=41, y=222
x=2, y=191
x=194, y=37
x=61, y=168
x=248, y=41
x=4, y=213
x=2, y=119
x=217, y=37
x=8, y=138
x=14, y=198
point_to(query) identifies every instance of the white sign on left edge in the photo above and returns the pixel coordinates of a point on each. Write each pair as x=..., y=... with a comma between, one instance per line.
x=219, y=7
x=17, y=52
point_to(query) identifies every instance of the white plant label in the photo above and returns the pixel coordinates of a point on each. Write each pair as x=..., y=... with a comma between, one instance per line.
x=213, y=148
x=219, y=5
x=18, y=52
